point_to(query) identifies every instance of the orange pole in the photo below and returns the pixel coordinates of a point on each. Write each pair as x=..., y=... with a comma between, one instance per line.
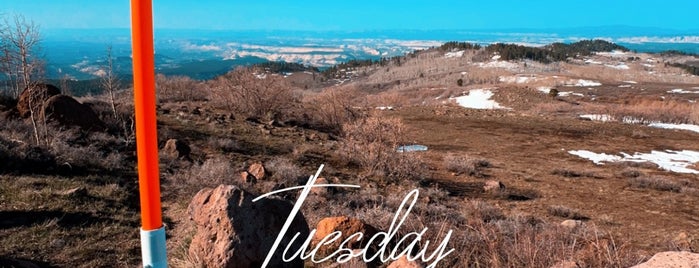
x=144, y=100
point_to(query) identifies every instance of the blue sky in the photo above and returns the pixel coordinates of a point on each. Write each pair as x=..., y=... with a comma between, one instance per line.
x=361, y=15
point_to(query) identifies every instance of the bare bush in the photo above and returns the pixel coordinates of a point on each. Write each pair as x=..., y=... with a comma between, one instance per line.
x=224, y=144
x=334, y=107
x=179, y=88
x=283, y=170
x=566, y=212
x=656, y=183
x=372, y=143
x=463, y=164
x=254, y=94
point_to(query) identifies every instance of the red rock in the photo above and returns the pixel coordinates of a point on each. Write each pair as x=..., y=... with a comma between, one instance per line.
x=233, y=231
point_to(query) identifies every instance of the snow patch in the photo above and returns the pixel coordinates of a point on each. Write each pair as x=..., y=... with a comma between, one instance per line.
x=499, y=64
x=478, y=99
x=455, y=54
x=597, y=117
x=582, y=83
x=518, y=79
x=674, y=161
x=689, y=127
x=412, y=148
x=591, y=61
x=630, y=82
x=682, y=91
x=618, y=66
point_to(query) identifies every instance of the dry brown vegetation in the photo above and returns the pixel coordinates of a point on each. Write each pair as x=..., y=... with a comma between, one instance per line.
x=242, y=118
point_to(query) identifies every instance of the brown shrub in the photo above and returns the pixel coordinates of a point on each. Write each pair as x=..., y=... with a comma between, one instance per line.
x=283, y=170
x=656, y=183
x=178, y=88
x=254, y=94
x=462, y=164
x=371, y=144
x=334, y=107
x=566, y=212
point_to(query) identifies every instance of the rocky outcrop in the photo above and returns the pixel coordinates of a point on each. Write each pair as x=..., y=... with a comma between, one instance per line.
x=176, y=149
x=673, y=259
x=69, y=112
x=35, y=96
x=234, y=231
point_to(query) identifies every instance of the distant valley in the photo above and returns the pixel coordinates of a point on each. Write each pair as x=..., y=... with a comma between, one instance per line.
x=80, y=54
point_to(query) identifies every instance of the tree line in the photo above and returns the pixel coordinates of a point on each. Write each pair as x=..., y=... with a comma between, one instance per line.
x=553, y=52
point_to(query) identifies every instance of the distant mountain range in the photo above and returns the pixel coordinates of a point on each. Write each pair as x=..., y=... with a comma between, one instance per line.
x=203, y=54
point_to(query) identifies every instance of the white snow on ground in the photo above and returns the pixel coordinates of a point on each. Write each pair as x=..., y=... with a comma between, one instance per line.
x=546, y=90
x=624, y=86
x=478, y=99
x=455, y=54
x=384, y=108
x=595, y=157
x=615, y=53
x=570, y=93
x=674, y=161
x=582, y=83
x=591, y=61
x=689, y=127
x=630, y=82
x=499, y=64
x=618, y=66
x=597, y=117
x=635, y=121
x=649, y=65
x=682, y=91
x=496, y=57
x=518, y=79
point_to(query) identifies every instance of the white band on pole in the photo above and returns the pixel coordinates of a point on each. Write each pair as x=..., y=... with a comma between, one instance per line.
x=153, y=248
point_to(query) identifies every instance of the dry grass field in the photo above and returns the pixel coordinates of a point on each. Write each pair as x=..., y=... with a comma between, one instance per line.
x=71, y=201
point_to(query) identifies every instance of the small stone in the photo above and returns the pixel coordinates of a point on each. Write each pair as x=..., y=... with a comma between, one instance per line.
x=571, y=224
x=493, y=185
x=257, y=170
x=75, y=192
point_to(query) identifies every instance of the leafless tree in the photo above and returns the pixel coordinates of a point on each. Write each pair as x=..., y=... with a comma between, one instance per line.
x=22, y=65
x=110, y=82
x=21, y=62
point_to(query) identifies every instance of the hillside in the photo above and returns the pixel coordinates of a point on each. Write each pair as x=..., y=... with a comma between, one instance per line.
x=584, y=154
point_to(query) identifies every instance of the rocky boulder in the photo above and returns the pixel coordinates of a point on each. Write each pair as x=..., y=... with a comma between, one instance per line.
x=69, y=112
x=234, y=231
x=347, y=226
x=35, y=96
x=176, y=149
x=673, y=259
x=493, y=186
x=257, y=170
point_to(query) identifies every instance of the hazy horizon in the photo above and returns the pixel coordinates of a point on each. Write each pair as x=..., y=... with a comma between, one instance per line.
x=362, y=15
